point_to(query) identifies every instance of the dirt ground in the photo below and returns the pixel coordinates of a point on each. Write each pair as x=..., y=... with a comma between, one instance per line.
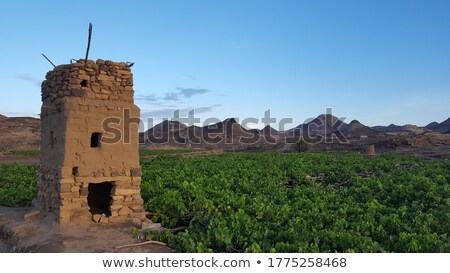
x=24, y=159
x=43, y=234
x=4, y=247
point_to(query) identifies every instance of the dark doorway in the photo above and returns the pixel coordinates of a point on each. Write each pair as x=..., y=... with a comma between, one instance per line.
x=99, y=198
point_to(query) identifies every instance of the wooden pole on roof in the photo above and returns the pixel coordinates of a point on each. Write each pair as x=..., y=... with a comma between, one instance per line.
x=89, y=43
x=48, y=60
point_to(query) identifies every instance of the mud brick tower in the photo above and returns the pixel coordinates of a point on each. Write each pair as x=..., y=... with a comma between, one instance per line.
x=89, y=144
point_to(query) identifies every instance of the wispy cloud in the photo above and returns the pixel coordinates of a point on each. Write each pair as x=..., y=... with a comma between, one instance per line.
x=147, y=98
x=190, y=92
x=206, y=109
x=160, y=113
x=172, y=97
x=167, y=109
x=169, y=112
x=154, y=100
x=27, y=78
x=182, y=93
x=162, y=104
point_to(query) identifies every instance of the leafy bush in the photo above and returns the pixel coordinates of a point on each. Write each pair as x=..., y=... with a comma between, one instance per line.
x=18, y=185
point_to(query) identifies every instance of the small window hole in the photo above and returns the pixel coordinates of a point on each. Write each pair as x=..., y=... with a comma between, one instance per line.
x=74, y=171
x=84, y=83
x=95, y=140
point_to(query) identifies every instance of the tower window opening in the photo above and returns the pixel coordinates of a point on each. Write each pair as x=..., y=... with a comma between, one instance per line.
x=95, y=140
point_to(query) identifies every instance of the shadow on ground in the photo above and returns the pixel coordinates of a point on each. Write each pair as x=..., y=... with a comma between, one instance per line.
x=45, y=235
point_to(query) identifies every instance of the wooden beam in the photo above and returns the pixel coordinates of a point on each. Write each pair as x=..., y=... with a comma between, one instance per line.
x=48, y=60
x=89, y=43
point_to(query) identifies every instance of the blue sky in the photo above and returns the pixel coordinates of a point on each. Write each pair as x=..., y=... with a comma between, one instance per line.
x=377, y=61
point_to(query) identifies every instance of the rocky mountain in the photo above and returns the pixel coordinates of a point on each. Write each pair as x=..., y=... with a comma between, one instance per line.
x=228, y=132
x=442, y=127
x=431, y=125
x=356, y=129
x=324, y=124
x=398, y=129
x=24, y=133
x=231, y=131
x=167, y=126
x=269, y=131
x=163, y=132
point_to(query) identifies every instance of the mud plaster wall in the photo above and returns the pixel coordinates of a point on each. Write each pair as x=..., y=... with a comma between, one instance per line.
x=77, y=98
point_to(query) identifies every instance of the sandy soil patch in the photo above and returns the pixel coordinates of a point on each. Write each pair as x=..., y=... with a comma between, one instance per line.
x=44, y=234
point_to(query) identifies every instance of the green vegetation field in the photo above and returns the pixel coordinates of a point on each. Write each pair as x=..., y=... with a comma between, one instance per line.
x=263, y=202
x=163, y=152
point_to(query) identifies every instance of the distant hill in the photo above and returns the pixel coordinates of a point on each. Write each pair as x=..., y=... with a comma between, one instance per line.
x=167, y=126
x=227, y=132
x=24, y=132
x=230, y=131
x=162, y=132
x=19, y=132
x=442, y=127
x=398, y=129
x=356, y=129
x=268, y=130
x=431, y=125
x=324, y=123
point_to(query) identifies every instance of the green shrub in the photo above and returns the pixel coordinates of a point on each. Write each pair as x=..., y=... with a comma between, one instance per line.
x=18, y=185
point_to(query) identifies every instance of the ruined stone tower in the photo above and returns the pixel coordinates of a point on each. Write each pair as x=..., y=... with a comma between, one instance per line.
x=89, y=143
